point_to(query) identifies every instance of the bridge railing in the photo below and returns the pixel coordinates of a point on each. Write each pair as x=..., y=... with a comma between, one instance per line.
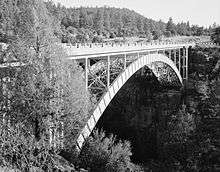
x=127, y=44
x=207, y=43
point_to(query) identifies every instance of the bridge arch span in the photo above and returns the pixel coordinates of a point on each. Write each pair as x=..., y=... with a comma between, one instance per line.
x=146, y=60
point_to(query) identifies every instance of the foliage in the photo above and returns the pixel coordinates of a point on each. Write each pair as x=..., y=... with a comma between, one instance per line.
x=190, y=141
x=102, y=153
x=47, y=89
x=104, y=21
x=171, y=26
x=97, y=39
x=20, y=150
x=216, y=35
x=157, y=34
x=183, y=29
x=176, y=146
x=107, y=21
x=203, y=63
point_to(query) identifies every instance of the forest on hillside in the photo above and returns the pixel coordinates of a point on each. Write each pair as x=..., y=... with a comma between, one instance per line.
x=93, y=24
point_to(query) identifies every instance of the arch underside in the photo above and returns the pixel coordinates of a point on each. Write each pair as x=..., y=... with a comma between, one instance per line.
x=162, y=67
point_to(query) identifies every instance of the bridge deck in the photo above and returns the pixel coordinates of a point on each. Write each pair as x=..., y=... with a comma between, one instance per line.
x=82, y=52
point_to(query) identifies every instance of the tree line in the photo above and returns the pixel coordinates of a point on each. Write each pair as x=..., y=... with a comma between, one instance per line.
x=92, y=24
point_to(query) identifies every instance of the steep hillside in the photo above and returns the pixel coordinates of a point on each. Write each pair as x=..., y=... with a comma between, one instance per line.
x=92, y=24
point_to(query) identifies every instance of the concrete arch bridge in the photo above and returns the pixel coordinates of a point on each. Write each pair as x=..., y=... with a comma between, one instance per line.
x=109, y=66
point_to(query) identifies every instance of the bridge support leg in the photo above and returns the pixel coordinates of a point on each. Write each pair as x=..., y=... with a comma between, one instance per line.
x=86, y=72
x=184, y=66
x=175, y=56
x=170, y=54
x=62, y=135
x=125, y=61
x=179, y=65
x=108, y=72
x=187, y=63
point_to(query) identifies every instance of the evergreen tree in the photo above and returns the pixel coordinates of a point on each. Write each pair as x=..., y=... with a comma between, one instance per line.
x=76, y=18
x=188, y=28
x=128, y=22
x=140, y=25
x=118, y=24
x=107, y=23
x=47, y=87
x=148, y=34
x=171, y=26
x=8, y=19
x=216, y=35
x=90, y=22
x=157, y=34
x=114, y=22
x=182, y=29
x=83, y=18
x=161, y=26
x=99, y=21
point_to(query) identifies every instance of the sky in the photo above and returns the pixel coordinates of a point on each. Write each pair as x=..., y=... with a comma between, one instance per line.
x=200, y=12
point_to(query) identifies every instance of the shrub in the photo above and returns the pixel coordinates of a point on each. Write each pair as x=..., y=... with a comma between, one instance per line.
x=168, y=34
x=216, y=35
x=112, y=35
x=20, y=150
x=177, y=145
x=97, y=39
x=102, y=153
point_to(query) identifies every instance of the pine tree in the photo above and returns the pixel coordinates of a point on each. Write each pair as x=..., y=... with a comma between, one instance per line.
x=76, y=18
x=107, y=23
x=83, y=18
x=148, y=34
x=140, y=25
x=161, y=26
x=171, y=26
x=216, y=35
x=99, y=21
x=129, y=23
x=90, y=22
x=47, y=87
